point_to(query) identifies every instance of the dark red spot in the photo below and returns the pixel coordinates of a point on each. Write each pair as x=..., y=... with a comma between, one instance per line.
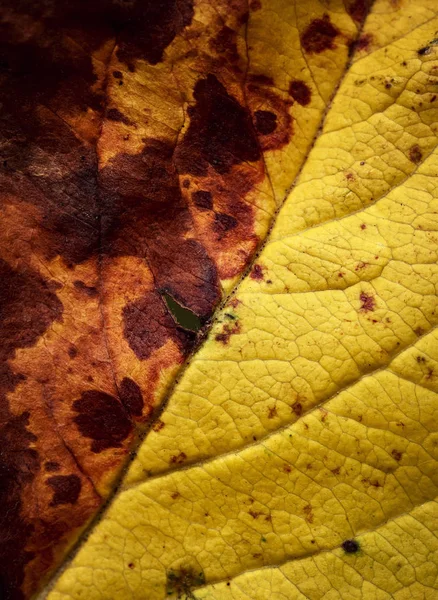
x=178, y=459
x=287, y=468
x=255, y=5
x=364, y=42
x=257, y=273
x=131, y=397
x=319, y=35
x=265, y=121
x=367, y=302
x=363, y=226
x=220, y=133
x=358, y=9
x=415, y=154
x=175, y=495
x=227, y=331
x=72, y=352
x=66, y=489
x=131, y=565
x=397, y=455
x=114, y=114
x=103, y=419
x=300, y=92
x=87, y=289
x=203, y=200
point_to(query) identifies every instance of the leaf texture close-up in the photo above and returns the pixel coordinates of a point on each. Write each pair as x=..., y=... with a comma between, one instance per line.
x=218, y=299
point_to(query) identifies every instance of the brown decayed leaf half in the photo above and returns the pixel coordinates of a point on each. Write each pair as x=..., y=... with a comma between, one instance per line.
x=114, y=195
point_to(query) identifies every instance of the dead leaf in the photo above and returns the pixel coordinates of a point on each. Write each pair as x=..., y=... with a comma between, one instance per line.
x=148, y=153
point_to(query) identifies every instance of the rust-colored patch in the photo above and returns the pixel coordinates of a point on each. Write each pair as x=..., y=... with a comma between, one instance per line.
x=361, y=265
x=225, y=44
x=367, y=302
x=66, y=489
x=287, y=468
x=178, y=459
x=114, y=114
x=308, y=511
x=158, y=425
x=363, y=226
x=103, y=419
x=175, y=495
x=257, y=273
x=52, y=466
x=319, y=35
x=336, y=470
x=300, y=91
x=415, y=154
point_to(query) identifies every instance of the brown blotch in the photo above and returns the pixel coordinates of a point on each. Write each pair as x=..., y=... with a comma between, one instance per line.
x=227, y=332
x=261, y=79
x=220, y=133
x=114, y=114
x=175, y=495
x=225, y=44
x=397, y=455
x=103, y=419
x=319, y=35
x=131, y=397
x=363, y=226
x=287, y=468
x=265, y=121
x=272, y=412
x=131, y=565
x=255, y=5
x=364, y=42
x=361, y=265
x=257, y=273
x=255, y=514
x=358, y=9
x=300, y=92
x=118, y=74
x=421, y=359
x=336, y=470
x=308, y=511
x=178, y=459
x=367, y=302
x=297, y=408
x=158, y=425
x=415, y=154
x=52, y=466
x=203, y=200
x=223, y=223
x=66, y=489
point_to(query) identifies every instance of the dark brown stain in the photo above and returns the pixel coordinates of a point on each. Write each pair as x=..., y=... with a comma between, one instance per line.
x=52, y=466
x=72, y=351
x=260, y=79
x=103, y=419
x=257, y=273
x=66, y=489
x=367, y=302
x=255, y=514
x=366, y=481
x=336, y=470
x=18, y=466
x=225, y=44
x=255, y=5
x=114, y=114
x=421, y=359
x=220, y=134
x=397, y=455
x=148, y=324
x=415, y=154
x=223, y=223
x=175, y=495
x=265, y=121
x=300, y=92
x=89, y=290
x=227, y=331
x=131, y=397
x=350, y=546
x=363, y=226
x=178, y=459
x=350, y=176
x=203, y=200
x=131, y=565
x=358, y=9
x=319, y=36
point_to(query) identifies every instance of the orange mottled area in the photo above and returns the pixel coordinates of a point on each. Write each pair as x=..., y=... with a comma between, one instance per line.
x=135, y=139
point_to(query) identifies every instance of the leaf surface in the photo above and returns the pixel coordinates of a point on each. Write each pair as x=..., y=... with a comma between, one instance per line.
x=144, y=164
